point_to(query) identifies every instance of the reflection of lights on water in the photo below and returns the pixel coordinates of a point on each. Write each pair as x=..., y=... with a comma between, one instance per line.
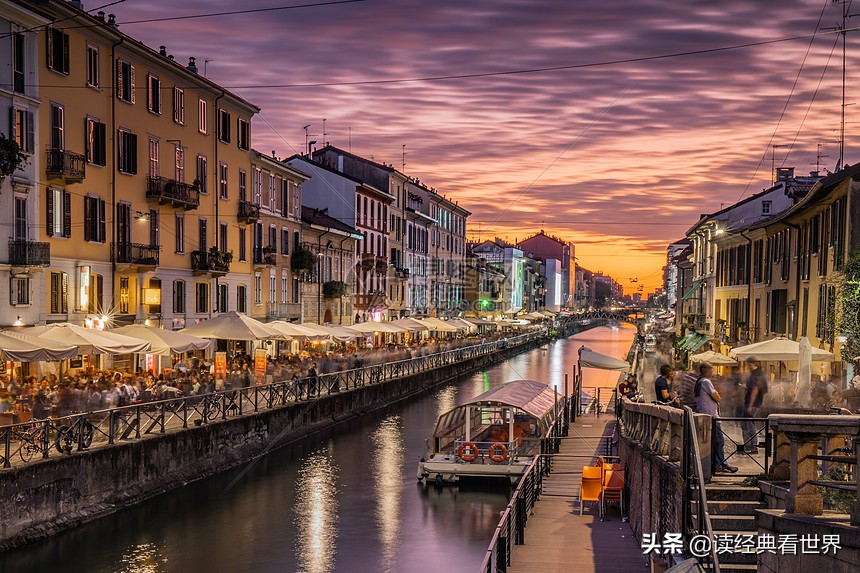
x=445, y=400
x=316, y=514
x=387, y=472
x=486, y=381
x=143, y=558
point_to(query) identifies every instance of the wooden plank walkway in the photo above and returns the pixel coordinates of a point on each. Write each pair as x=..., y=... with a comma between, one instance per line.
x=557, y=538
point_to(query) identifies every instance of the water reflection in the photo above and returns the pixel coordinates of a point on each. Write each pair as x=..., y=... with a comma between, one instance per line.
x=388, y=476
x=446, y=399
x=316, y=513
x=143, y=558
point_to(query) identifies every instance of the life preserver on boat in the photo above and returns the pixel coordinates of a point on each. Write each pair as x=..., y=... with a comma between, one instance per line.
x=498, y=452
x=468, y=452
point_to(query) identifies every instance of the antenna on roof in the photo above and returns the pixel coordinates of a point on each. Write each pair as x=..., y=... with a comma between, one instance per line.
x=325, y=134
x=403, y=158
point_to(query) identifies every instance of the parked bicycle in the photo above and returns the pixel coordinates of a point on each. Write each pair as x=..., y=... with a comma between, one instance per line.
x=32, y=441
x=80, y=432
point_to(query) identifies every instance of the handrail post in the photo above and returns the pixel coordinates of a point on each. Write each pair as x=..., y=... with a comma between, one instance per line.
x=7, y=439
x=111, y=425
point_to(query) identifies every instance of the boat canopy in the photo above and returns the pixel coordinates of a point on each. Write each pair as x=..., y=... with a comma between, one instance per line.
x=534, y=398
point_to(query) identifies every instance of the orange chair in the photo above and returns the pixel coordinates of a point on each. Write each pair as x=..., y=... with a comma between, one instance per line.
x=590, y=485
x=613, y=489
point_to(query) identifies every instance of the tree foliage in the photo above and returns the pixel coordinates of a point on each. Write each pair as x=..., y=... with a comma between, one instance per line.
x=11, y=157
x=848, y=300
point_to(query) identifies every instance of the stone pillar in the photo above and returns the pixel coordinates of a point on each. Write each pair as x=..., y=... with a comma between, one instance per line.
x=781, y=468
x=855, y=509
x=803, y=497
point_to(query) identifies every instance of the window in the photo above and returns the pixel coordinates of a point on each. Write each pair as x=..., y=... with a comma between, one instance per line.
x=285, y=287
x=273, y=284
x=273, y=238
x=178, y=297
x=179, y=164
x=153, y=157
x=258, y=289
x=285, y=241
x=224, y=125
x=202, y=179
x=127, y=152
x=96, y=142
x=24, y=126
x=766, y=207
x=153, y=94
x=59, y=213
x=243, y=253
x=96, y=298
x=19, y=291
x=221, y=296
x=201, y=116
x=222, y=237
x=20, y=218
x=180, y=233
x=243, y=185
x=59, y=298
x=58, y=50
x=242, y=298
x=179, y=105
x=94, y=219
x=222, y=180
x=125, y=81
x=154, y=228
x=202, y=243
x=285, y=197
x=123, y=295
x=58, y=127
x=243, y=138
x=19, y=72
x=93, y=77
x=258, y=186
x=201, y=303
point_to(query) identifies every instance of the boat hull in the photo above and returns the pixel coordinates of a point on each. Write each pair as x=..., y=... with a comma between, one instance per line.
x=449, y=469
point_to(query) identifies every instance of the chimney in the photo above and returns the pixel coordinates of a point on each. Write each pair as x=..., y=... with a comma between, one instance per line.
x=112, y=22
x=101, y=15
x=192, y=65
x=784, y=173
x=162, y=50
x=170, y=57
x=77, y=4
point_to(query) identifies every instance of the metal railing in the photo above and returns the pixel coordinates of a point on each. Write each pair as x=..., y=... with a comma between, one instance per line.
x=66, y=164
x=24, y=253
x=136, y=254
x=40, y=438
x=733, y=448
x=166, y=190
x=210, y=262
x=248, y=212
x=284, y=310
x=693, y=494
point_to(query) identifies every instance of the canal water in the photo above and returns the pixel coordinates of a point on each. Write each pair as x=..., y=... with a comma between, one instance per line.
x=345, y=500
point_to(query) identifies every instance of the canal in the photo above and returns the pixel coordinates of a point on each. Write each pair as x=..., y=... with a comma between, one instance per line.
x=342, y=500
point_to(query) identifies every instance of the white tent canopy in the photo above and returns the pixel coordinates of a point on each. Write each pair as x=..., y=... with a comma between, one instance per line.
x=372, y=326
x=342, y=333
x=164, y=342
x=410, y=324
x=590, y=359
x=290, y=330
x=439, y=325
x=232, y=326
x=21, y=347
x=714, y=358
x=778, y=349
x=462, y=324
x=89, y=341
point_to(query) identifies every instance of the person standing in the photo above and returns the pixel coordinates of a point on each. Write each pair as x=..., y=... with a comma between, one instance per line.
x=313, y=380
x=661, y=385
x=708, y=402
x=688, y=385
x=756, y=388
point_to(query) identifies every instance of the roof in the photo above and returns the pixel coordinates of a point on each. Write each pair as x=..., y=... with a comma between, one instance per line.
x=340, y=151
x=533, y=398
x=318, y=165
x=318, y=217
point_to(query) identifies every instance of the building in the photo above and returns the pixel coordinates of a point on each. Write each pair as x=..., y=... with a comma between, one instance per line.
x=145, y=160
x=275, y=211
x=671, y=273
x=484, y=287
x=544, y=247
x=23, y=256
x=508, y=260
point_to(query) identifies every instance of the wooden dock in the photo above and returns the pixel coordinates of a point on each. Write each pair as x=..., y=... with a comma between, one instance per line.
x=557, y=538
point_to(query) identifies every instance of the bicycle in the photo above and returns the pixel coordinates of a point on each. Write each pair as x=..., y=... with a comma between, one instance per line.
x=80, y=432
x=32, y=440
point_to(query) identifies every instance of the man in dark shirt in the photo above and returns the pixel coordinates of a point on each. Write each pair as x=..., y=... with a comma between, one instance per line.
x=756, y=388
x=661, y=384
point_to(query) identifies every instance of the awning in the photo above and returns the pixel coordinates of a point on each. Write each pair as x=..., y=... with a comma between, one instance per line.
x=590, y=359
x=164, y=342
x=692, y=290
x=21, y=347
x=692, y=342
x=232, y=326
x=90, y=341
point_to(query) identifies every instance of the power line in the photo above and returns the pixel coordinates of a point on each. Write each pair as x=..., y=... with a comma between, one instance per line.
x=238, y=12
x=43, y=26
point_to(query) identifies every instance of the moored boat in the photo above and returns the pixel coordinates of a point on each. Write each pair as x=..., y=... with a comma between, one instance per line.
x=494, y=435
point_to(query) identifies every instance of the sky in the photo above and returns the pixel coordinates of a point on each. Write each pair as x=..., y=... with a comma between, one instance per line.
x=620, y=157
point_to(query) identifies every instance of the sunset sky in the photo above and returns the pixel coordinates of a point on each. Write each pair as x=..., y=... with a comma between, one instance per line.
x=620, y=158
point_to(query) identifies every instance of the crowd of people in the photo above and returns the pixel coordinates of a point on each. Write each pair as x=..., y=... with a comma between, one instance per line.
x=54, y=396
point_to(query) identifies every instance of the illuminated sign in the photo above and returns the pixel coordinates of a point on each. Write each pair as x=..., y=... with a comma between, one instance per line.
x=152, y=296
x=84, y=287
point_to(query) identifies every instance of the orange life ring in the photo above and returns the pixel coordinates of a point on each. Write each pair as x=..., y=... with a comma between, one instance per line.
x=498, y=452
x=468, y=452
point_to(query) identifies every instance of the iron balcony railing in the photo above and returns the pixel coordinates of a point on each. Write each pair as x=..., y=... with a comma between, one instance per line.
x=166, y=190
x=265, y=258
x=136, y=254
x=24, y=253
x=207, y=261
x=65, y=434
x=61, y=163
x=248, y=212
x=284, y=310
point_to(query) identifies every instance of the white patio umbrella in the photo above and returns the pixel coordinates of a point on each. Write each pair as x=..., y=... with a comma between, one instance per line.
x=591, y=359
x=232, y=326
x=714, y=358
x=438, y=325
x=342, y=333
x=21, y=347
x=371, y=326
x=90, y=341
x=291, y=330
x=778, y=349
x=462, y=324
x=319, y=329
x=164, y=342
x=410, y=324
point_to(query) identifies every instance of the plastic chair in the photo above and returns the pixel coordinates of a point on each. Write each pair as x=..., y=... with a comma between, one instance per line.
x=607, y=463
x=612, y=490
x=590, y=485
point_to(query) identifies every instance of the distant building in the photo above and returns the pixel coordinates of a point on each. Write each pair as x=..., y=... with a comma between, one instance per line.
x=508, y=260
x=544, y=247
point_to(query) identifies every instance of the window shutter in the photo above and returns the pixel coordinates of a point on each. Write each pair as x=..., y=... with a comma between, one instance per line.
x=131, y=97
x=67, y=214
x=12, y=135
x=88, y=219
x=64, y=293
x=102, y=233
x=49, y=36
x=31, y=137
x=101, y=144
x=132, y=152
x=66, y=67
x=149, y=105
x=119, y=79
x=12, y=291
x=49, y=215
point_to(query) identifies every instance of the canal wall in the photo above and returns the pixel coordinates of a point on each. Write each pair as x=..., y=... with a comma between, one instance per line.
x=44, y=498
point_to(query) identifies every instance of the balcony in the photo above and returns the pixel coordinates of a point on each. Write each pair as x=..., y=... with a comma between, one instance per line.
x=284, y=310
x=212, y=262
x=66, y=165
x=24, y=253
x=136, y=255
x=248, y=212
x=171, y=191
x=374, y=263
x=401, y=273
x=266, y=257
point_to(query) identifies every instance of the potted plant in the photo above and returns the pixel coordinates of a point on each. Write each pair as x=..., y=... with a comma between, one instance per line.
x=334, y=289
x=11, y=157
x=303, y=261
